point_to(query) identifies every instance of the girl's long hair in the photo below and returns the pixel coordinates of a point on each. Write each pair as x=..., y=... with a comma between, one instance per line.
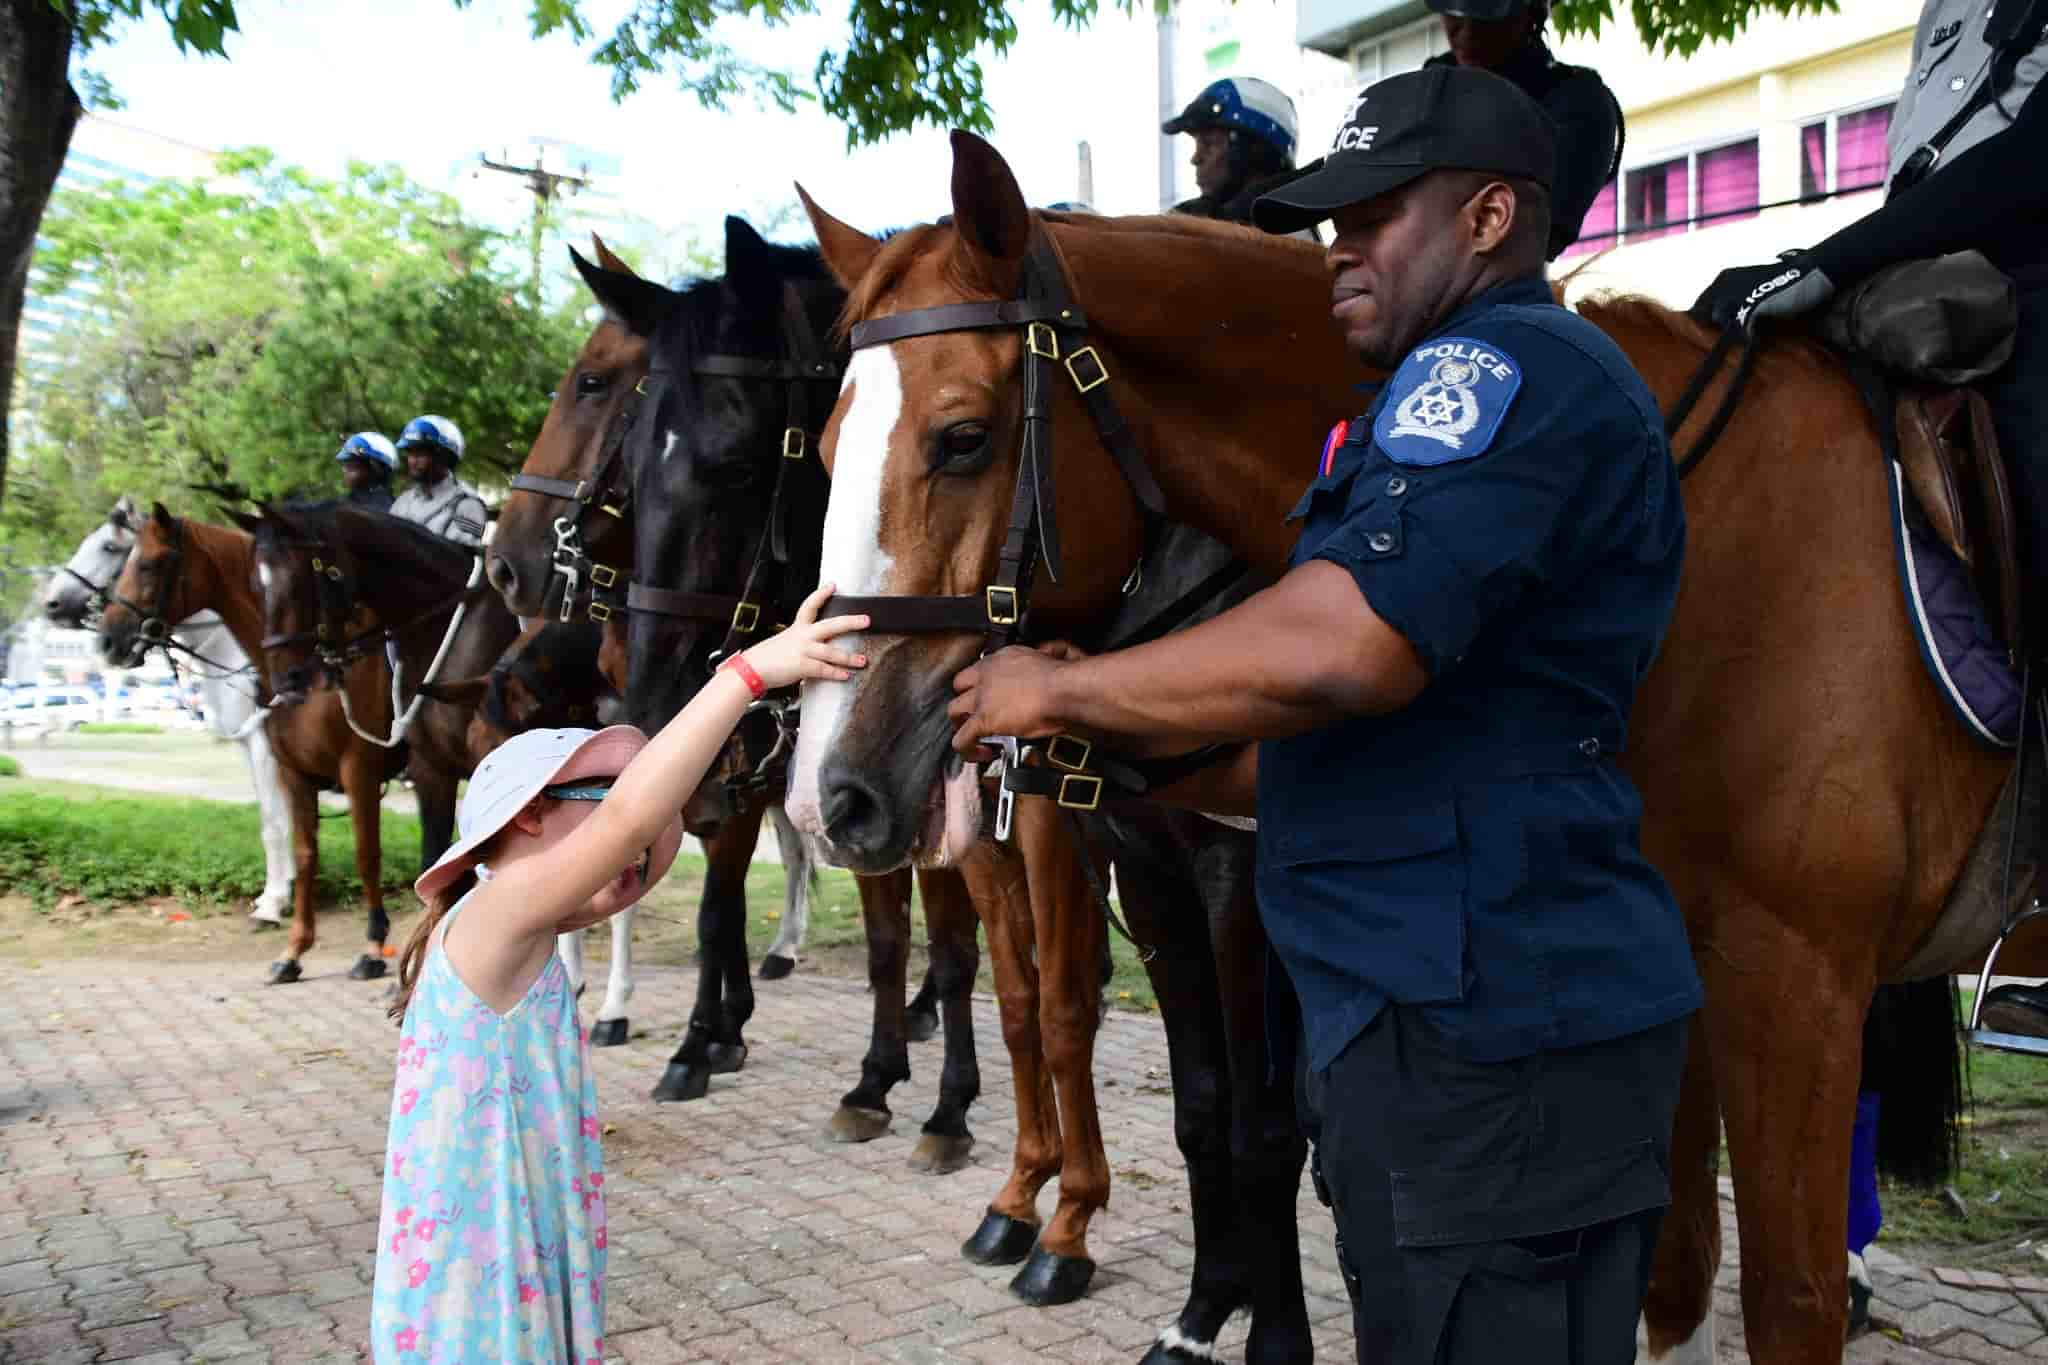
x=415, y=955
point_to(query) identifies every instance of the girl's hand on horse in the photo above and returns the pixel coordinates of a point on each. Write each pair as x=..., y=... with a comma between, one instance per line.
x=804, y=650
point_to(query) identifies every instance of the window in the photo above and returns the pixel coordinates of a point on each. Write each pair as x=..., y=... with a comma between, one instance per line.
x=1402, y=49
x=1712, y=185
x=1659, y=194
x=1845, y=151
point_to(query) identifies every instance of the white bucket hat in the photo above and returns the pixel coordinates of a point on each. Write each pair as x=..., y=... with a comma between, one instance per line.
x=512, y=774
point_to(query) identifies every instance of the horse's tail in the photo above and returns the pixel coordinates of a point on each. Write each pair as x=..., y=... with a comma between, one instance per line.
x=1913, y=1059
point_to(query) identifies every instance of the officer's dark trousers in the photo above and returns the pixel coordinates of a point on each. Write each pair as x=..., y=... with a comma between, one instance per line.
x=2018, y=395
x=1495, y=1212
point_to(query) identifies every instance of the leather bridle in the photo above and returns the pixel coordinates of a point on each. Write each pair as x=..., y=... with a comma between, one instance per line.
x=605, y=491
x=153, y=624
x=1055, y=332
x=766, y=598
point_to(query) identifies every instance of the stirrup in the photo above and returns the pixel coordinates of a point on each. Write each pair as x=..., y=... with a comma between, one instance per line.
x=1978, y=1035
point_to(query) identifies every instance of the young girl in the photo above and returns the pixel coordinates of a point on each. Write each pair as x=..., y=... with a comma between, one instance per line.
x=491, y=1247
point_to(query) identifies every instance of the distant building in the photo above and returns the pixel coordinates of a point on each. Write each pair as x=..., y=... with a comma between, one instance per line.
x=103, y=154
x=1794, y=107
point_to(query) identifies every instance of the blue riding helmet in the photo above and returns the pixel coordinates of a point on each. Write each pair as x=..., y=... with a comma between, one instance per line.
x=1486, y=11
x=433, y=433
x=1244, y=103
x=368, y=446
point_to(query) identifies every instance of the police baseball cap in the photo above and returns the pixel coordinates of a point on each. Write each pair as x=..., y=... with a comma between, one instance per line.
x=1438, y=118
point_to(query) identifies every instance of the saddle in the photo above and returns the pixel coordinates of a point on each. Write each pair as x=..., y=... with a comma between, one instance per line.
x=1948, y=451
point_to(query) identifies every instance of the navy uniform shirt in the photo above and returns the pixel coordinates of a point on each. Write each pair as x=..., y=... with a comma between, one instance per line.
x=1509, y=506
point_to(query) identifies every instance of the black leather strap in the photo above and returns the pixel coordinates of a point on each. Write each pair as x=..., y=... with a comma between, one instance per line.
x=958, y=317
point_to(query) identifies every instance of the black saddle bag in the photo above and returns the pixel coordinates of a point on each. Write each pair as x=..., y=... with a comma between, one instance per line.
x=1948, y=320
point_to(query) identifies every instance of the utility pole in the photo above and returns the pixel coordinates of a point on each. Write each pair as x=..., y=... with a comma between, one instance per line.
x=1168, y=107
x=1087, y=177
x=546, y=185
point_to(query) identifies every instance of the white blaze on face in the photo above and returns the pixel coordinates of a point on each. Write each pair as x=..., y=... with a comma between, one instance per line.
x=263, y=576
x=853, y=559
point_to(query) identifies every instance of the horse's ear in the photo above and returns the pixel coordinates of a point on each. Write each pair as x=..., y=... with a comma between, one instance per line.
x=124, y=513
x=162, y=515
x=989, y=211
x=248, y=521
x=749, y=260
x=609, y=259
x=638, y=305
x=848, y=251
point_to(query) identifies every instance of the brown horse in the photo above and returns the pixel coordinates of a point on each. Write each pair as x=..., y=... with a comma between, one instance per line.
x=180, y=568
x=1806, y=792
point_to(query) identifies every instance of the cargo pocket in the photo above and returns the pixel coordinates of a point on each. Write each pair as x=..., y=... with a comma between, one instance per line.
x=1395, y=877
x=1497, y=1301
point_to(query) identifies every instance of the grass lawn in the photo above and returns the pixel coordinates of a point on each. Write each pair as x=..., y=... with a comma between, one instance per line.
x=2003, y=1183
x=88, y=869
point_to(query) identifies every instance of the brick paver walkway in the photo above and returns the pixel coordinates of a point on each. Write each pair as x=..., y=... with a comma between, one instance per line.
x=189, y=1168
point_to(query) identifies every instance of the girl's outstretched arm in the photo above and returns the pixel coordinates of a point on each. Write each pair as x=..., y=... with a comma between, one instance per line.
x=533, y=895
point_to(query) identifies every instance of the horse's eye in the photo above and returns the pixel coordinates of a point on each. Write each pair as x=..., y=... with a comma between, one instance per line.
x=589, y=384
x=962, y=448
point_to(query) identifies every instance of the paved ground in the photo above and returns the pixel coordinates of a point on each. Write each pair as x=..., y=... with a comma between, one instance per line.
x=189, y=1170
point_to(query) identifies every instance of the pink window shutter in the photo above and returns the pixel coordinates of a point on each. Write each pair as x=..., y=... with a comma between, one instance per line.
x=1860, y=153
x=1599, y=222
x=1813, y=159
x=1728, y=182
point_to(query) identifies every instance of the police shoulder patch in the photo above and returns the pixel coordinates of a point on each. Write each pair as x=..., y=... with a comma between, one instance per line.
x=1446, y=402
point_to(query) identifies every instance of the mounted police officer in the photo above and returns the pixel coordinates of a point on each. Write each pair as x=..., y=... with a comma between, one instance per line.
x=1495, y=984
x=1969, y=140
x=1506, y=38
x=367, y=463
x=437, y=500
x=1244, y=131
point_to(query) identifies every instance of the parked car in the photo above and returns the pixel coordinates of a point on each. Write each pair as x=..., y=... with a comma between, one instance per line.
x=56, y=706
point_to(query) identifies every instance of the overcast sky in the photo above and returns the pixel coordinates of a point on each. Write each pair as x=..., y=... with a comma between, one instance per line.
x=429, y=86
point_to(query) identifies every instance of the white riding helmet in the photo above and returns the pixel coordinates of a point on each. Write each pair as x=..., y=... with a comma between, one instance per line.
x=435, y=433
x=1245, y=102
x=370, y=447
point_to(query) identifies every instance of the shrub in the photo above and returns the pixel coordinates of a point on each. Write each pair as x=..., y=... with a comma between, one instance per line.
x=128, y=847
x=9, y=767
x=119, y=727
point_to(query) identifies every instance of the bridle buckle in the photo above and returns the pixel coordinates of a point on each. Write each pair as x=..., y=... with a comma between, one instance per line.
x=603, y=575
x=599, y=612
x=1079, y=791
x=1070, y=761
x=1041, y=340
x=746, y=618
x=1006, y=613
x=793, y=443
x=1095, y=380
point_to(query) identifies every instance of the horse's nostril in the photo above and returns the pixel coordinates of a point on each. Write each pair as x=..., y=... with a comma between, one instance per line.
x=855, y=817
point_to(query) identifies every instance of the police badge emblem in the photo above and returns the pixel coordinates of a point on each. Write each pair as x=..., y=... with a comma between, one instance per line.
x=1454, y=393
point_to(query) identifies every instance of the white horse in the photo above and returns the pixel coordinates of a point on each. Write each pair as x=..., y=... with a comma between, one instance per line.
x=227, y=689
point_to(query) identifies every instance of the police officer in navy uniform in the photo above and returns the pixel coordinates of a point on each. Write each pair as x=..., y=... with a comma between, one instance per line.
x=1968, y=147
x=1506, y=38
x=1495, y=985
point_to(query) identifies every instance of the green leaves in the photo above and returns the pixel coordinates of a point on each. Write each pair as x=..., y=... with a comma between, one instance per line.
x=196, y=25
x=1678, y=27
x=247, y=327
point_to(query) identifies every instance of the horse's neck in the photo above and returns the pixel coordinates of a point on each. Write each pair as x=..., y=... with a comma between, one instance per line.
x=228, y=556
x=1232, y=372
x=207, y=636
x=486, y=631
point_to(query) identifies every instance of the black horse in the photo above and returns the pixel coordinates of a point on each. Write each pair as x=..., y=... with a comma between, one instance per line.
x=722, y=511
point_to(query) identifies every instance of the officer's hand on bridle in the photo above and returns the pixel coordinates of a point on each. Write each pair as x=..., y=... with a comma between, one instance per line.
x=1006, y=693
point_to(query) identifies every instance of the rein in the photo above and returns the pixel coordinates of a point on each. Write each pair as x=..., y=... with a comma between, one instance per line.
x=805, y=361
x=1697, y=388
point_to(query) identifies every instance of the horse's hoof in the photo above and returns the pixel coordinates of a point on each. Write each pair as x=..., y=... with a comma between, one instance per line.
x=608, y=1033
x=369, y=967
x=775, y=966
x=258, y=921
x=857, y=1125
x=681, y=1082
x=1048, y=1279
x=1000, y=1240
x=921, y=1026
x=726, y=1058
x=284, y=972
x=941, y=1153
x=1175, y=1347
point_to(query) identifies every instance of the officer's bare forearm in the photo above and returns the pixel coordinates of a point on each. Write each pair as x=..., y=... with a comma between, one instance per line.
x=1227, y=787
x=1304, y=653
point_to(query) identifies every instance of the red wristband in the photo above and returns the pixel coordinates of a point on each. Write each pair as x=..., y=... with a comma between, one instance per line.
x=738, y=664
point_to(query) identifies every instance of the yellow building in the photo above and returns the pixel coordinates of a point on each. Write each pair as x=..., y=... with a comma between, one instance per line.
x=1792, y=109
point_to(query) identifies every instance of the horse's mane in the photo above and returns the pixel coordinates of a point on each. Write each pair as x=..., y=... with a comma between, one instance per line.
x=1622, y=314
x=404, y=548
x=903, y=248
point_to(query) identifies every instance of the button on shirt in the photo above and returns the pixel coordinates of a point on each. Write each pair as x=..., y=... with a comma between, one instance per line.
x=451, y=509
x=1951, y=58
x=1509, y=506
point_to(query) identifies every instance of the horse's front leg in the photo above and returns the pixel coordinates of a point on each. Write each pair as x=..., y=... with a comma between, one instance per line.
x=362, y=781
x=1678, y=1311
x=712, y=1041
x=800, y=878
x=863, y=1114
x=302, y=800
x=951, y=927
x=611, y=1028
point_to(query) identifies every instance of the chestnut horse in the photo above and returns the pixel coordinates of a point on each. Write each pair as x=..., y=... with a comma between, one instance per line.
x=1806, y=793
x=180, y=568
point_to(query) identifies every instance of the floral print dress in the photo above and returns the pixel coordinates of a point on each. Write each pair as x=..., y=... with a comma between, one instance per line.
x=491, y=1246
